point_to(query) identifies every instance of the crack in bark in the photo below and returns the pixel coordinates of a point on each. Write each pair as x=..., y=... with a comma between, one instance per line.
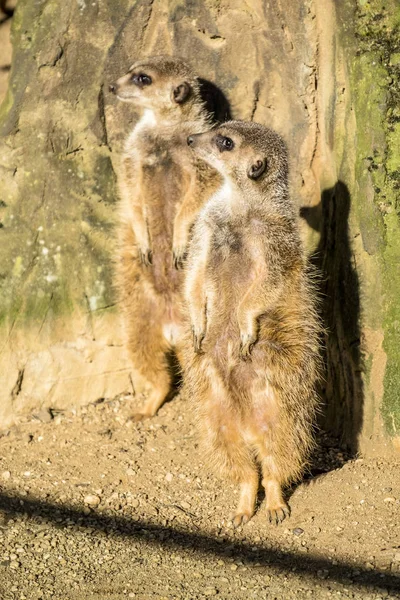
x=56, y=58
x=89, y=310
x=102, y=117
x=316, y=115
x=256, y=89
x=18, y=385
x=146, y=23
x=46, y=313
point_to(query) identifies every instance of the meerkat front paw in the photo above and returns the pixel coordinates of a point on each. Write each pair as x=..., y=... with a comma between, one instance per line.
x=247, y=341
x=179, y=257
x=145, y=256
x=198, y=337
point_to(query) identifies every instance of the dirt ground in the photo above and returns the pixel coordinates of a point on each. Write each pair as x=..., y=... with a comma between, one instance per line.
x=95, y=507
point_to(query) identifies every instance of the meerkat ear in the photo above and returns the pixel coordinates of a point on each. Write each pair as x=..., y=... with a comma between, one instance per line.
x=257, y=168
x=181, y=93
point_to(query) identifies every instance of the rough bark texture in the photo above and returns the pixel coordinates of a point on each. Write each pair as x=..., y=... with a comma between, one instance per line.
x=324, y=74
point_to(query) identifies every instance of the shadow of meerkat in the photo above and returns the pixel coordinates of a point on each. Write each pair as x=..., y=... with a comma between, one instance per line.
x=342, y=390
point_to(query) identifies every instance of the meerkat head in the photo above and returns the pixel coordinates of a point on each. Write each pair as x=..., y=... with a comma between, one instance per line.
x=246, y=153
x=165, y=85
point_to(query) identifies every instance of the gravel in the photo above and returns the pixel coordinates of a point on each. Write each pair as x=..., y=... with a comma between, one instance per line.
x=95, y=507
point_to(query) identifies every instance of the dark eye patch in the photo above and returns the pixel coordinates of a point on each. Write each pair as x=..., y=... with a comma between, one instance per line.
x=141, y=79
x=224, y=143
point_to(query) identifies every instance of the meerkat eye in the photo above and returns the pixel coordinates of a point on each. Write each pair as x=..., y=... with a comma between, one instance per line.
x=141, y=79
x=224, y=143
x=227, y=143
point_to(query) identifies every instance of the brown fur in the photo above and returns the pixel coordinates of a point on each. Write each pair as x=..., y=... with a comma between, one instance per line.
x=255, y=331
x=162, y=187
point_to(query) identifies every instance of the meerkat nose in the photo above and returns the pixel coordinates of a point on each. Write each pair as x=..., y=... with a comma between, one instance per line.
x=112, y=88
x=190, y=140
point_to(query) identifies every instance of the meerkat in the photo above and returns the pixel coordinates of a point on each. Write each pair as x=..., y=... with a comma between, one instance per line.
x=252, y=356
x=162, y=187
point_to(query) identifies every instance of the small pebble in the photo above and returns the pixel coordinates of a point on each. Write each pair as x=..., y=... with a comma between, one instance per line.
x=298, y=531
x=44, y=416
x=389, y=499
x=169, y=477
x=210, y=591
x=6, y=475
x=323, y=574
x=91, y=500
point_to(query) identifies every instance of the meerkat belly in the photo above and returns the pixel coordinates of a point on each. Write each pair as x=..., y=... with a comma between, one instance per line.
x=173, y=322
x=163, y=183
x=232, y=264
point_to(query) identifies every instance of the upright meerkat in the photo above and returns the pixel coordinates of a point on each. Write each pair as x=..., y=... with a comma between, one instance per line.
x=162, y=188
x=252, y=361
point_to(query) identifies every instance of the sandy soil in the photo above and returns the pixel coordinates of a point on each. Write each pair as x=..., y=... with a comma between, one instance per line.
x=93, y=506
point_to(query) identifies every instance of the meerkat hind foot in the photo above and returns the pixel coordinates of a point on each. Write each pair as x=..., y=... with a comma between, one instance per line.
x=247, y=501
x=138, y=417
x=278, y=514
x=240, y=518
x=155, y=399
x=277, y=508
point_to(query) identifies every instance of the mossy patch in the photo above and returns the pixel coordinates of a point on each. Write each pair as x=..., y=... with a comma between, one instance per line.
x=376, y=75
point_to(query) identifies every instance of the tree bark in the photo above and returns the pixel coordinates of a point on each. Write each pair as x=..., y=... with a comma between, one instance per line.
x=325, y=74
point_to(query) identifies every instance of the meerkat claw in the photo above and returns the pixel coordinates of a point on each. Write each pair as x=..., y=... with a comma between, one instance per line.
x=240, y=519
x=246, y=346
x=245, y=351
x=278, y=515
x=146, y=257
x=178, y=258
x=197, y=340
x=138, y=417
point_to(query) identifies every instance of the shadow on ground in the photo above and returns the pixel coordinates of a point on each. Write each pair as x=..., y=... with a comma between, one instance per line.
x=171, y=538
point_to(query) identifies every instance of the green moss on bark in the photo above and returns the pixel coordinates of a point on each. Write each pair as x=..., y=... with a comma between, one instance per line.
x=376, y=83
x=56, y=239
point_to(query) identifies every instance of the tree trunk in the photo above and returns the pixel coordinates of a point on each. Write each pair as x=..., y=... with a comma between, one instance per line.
x=324, y=74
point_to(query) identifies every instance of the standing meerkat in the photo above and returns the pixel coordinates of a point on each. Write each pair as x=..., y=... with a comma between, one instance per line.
x=162, y=187
x=255, y=331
